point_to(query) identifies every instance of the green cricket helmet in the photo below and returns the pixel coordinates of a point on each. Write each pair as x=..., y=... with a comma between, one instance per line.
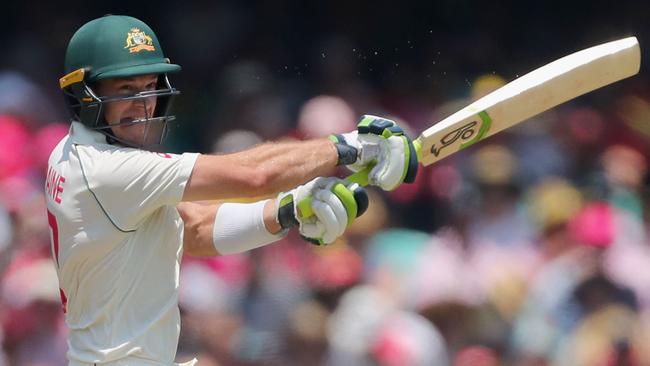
x=113, y=47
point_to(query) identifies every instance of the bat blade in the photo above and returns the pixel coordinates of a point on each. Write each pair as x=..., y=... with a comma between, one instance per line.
x=541, y=89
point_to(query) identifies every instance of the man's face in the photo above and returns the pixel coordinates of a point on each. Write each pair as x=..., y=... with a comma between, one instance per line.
x=129, y=110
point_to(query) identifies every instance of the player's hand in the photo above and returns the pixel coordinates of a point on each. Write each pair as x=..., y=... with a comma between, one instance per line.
x=334, y=206
x=379, y=143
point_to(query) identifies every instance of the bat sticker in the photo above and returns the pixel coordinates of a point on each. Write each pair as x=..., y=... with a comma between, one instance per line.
x=470, y=133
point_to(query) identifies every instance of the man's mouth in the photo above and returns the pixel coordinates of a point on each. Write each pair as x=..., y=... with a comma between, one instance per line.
x=126, y=120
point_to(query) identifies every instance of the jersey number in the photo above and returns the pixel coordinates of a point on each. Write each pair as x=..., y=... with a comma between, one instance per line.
x=51, y=220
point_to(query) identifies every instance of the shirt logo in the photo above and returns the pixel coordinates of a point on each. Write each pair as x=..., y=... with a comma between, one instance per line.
x=137, y=40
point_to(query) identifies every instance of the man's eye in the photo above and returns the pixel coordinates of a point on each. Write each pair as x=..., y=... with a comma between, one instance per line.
x=151, y=86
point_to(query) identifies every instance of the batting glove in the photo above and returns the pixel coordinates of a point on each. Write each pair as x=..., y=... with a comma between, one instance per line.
x=380, y=143
x=333, y=206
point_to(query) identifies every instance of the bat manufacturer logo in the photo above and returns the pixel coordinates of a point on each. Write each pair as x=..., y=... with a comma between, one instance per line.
x=468, y=134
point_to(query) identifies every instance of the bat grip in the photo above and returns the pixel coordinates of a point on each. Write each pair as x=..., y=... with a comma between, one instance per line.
x=361, y=178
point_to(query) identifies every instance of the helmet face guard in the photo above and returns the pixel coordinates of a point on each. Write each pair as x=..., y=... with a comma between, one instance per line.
x=89, y=108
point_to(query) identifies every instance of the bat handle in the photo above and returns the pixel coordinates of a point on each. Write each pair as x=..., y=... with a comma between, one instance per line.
x=360, y=177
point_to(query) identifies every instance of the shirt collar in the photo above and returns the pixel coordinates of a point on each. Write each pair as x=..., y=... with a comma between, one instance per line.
x=81, y=134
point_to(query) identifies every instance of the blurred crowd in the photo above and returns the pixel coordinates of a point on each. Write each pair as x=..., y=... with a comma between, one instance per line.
x=530, y=248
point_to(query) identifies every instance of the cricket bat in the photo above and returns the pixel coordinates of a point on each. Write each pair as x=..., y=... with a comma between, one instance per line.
x=541, y=89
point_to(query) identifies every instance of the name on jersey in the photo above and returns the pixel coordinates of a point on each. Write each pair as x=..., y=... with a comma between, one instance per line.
x=54, y=184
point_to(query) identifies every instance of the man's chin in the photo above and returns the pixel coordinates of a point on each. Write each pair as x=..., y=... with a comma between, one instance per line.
x=139, y=135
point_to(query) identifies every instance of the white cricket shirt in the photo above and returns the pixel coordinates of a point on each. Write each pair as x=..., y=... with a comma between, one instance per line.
x=117, y=243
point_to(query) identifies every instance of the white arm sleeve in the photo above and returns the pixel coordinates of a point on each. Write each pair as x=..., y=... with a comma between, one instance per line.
x=239, y=227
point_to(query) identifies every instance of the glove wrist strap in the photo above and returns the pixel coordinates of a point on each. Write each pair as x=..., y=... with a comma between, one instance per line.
x=286, y=216
x=346, y=154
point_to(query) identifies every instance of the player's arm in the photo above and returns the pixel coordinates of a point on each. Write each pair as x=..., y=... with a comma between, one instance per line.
x=228, y=228
x=274, y=167
x=260, y=171
x=198, y=220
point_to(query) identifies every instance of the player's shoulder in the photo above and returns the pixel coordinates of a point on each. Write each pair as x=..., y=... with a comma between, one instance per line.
x=60, y=150
x=108, y=162
x=109, y=152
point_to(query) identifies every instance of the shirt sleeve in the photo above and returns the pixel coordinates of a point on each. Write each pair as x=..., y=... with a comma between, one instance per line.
x=130, y=184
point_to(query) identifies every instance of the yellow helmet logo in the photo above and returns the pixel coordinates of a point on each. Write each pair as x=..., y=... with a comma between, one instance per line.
x=137, y=40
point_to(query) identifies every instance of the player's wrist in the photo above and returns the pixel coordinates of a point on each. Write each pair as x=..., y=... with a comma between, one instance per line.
x=239, y=227
x=270, y=217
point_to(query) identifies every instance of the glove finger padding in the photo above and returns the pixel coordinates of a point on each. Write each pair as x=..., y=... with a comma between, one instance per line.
x=348, y=201
x=287, y=202
x=392, y=164
x=337, y=200
x=413, y=163
x=333, y=204
x=324, y=211
x=312, y=228
x=381, y=144
x=360, y=197
x=330, y=199
x=378, y=126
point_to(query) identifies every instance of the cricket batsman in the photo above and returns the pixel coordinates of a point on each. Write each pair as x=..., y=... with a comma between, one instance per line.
x=121, y=213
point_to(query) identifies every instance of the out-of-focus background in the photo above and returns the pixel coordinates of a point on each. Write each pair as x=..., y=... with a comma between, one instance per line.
x=530, y=248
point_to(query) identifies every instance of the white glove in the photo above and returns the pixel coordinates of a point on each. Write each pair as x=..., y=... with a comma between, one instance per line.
x=334, y=207
x=382, y=144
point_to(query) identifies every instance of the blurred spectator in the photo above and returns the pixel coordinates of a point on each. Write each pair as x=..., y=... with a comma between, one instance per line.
x=408, y=339
x=587, y=134
x=324, y=115
x=498, y=220
x=27, y=206
x=552, y=204
x=476, y=356
x=570, y=286
x=612, y=335
x=45, y=140
x=485, y=84
x=33, y=324
x=16, y=153
x=6, y=230
x=352, y=328
x=391, y=259
x=625, y=168
x=235, y=140
x=24, y=99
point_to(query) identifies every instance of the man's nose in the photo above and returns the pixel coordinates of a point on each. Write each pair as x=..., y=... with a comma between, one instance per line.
x=139, y=104
x=144, y=103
